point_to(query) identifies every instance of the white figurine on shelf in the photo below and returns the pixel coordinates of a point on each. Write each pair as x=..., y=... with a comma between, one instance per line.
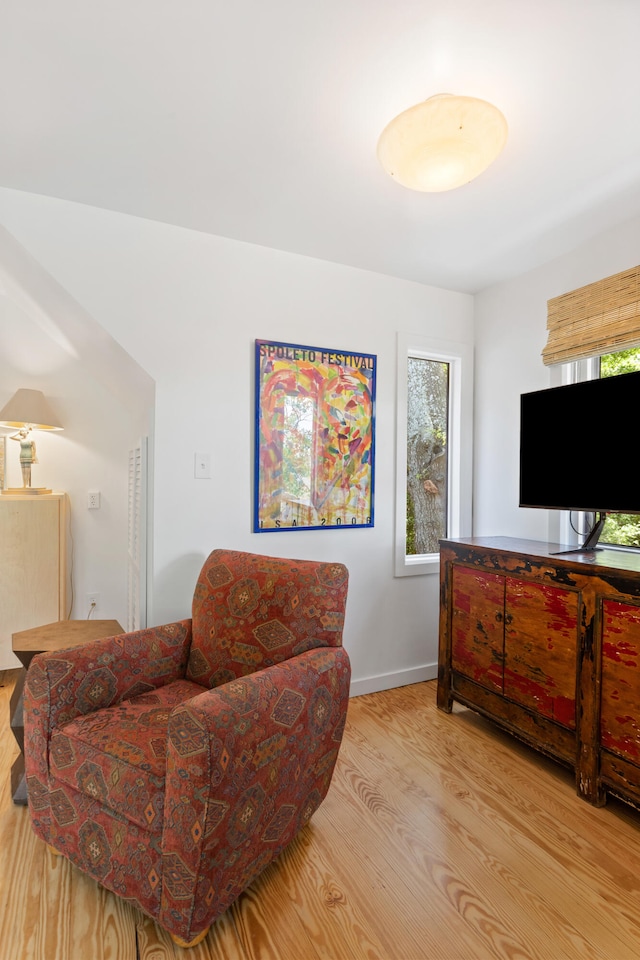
x=27, y=454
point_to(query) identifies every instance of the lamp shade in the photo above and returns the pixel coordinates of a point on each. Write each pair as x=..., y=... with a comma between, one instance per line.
x=442, y=143
x=29, y=408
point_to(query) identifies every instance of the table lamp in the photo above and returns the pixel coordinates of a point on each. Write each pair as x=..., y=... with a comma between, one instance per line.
x=28, y=410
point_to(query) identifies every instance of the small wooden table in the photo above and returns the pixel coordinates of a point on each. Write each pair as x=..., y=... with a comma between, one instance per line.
x=59, y=635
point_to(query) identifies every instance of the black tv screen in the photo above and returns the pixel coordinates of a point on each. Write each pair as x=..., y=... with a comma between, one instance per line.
x=578, y=446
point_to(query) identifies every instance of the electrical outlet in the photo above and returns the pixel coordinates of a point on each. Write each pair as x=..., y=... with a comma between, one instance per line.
x=93, y=602
x=93, y=500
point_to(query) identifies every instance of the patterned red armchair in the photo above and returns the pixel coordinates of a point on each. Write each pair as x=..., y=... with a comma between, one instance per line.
x=174, y=763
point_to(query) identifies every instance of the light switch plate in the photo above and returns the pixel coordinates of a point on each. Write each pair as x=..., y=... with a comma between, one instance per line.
x=202, y=466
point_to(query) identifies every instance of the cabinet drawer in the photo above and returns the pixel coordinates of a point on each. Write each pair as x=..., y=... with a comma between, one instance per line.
x=32, y=565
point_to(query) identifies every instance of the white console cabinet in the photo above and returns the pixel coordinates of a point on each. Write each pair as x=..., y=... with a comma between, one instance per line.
x=33, y=568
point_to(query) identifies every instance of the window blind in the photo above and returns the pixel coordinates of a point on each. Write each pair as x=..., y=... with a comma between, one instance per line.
x=137, y=547
x=602, y=317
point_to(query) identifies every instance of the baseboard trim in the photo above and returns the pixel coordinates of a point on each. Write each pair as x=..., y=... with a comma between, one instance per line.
x=387, y=681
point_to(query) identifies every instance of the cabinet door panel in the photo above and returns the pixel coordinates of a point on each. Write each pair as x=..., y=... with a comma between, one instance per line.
x=620, y=696
x=30, y=566
x=541, y=632
x=477, y=626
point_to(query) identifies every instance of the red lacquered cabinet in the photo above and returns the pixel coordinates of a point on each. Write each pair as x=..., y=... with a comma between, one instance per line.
x=547, y=644
x=619, y=715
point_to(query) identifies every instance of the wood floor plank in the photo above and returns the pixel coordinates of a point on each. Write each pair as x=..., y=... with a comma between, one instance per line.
x=8, y=746
x=492, y=866
x=449, y=890
x=221, y=943
x=332, y=905
x=529, y=830
x=50, y=911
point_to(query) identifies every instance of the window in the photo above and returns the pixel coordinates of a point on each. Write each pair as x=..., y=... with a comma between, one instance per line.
x=621, y=529
x=433, y=461
x=582, y=325
x=427, y=454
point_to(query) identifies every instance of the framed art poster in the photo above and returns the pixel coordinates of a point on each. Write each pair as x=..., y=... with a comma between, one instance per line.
x=314, y=438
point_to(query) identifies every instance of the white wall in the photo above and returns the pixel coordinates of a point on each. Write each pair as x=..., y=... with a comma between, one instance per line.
x=104, y=401
x=510, y=323
x=188, y=307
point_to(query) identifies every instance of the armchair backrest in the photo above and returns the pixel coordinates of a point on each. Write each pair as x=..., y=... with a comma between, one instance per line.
x=251, y=611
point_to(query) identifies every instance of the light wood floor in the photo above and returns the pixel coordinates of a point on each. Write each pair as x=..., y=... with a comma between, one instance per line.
x=441, y=839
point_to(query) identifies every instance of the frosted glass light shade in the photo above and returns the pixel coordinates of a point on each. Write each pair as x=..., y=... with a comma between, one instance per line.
x=442, y=143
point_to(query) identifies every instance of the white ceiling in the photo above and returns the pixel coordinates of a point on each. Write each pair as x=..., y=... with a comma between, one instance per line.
x=258, y=120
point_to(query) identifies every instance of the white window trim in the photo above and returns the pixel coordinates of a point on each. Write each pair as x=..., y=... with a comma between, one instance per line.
x=459, y=356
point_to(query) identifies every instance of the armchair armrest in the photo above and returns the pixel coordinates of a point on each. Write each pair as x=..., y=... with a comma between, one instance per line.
x=100, y=673
x=67, y=683
x=248, y=763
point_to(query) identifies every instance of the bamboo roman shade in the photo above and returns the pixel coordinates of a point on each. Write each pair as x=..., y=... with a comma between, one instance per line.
x=602, y=317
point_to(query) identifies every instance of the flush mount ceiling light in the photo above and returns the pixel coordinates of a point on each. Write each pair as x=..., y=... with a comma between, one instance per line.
x=442, y=143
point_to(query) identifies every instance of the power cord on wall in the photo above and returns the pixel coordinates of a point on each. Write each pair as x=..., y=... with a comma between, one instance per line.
x=94, y=603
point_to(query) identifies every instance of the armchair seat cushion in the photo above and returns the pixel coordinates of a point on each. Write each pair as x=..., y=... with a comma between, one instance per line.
x=118, y=755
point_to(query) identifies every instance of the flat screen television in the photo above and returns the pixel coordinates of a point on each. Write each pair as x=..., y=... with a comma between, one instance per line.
x=578, y=448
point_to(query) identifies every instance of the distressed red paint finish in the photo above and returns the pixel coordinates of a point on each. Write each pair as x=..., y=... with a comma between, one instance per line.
x=541, y=645
x=619, y=716
x=477, y=647
x=497, y=639
x=547, y=702
x=620, y=652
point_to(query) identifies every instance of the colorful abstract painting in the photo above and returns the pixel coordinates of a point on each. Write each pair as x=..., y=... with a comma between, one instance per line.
x=314, y=438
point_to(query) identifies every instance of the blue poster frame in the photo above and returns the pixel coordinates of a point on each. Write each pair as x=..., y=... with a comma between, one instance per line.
x=332, y=394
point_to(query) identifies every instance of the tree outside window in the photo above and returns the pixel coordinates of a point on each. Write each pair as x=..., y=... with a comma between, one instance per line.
x=427, y=454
